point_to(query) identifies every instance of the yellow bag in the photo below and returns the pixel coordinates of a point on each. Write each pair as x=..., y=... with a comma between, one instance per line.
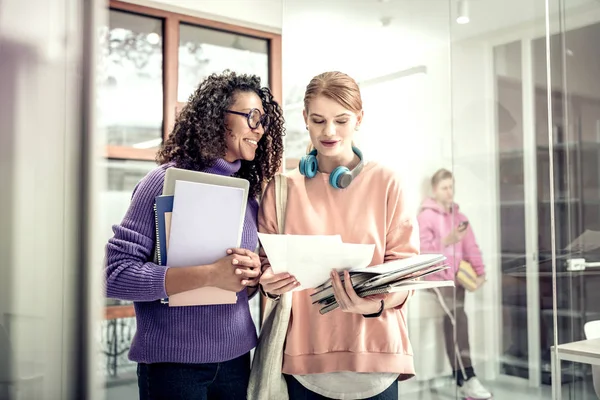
x=466, y=276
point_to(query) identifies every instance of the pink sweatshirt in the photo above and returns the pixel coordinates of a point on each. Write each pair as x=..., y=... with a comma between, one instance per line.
x=435, y=223
x=371, y=210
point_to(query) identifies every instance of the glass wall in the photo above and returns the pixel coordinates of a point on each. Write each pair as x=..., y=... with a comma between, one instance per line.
x=205, y=51
x=47, y=174
x=504, y=95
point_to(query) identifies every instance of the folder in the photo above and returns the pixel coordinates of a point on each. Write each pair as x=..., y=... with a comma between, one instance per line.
x=207, y=219
x=163, y=209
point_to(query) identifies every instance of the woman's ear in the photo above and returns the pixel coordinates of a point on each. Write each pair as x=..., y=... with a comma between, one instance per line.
x=359, y=118
x=305, y=117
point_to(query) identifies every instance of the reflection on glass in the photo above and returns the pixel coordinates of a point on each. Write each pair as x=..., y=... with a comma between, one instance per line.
x=131, y=92
x=204, y=51
x=115, y=334
x=574, y=148
x=511, y=192
x=123, y=175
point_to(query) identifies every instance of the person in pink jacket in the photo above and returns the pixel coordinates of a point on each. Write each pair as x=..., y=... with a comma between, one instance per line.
x=444, y=229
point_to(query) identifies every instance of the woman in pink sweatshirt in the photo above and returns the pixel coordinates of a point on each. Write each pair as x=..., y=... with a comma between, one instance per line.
x=444, y=229
x=360, y=350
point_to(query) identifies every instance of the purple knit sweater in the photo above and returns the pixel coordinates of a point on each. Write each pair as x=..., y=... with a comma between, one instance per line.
x=192, y=335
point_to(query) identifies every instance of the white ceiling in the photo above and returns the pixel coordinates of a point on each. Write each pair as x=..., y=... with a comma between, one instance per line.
x=432, y=17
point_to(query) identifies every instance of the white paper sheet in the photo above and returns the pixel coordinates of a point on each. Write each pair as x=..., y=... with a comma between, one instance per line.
x=310, y=258
x=204, y=224
x=420, y=285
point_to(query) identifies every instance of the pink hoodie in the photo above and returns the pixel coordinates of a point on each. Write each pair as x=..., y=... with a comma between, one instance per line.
x=435, y=223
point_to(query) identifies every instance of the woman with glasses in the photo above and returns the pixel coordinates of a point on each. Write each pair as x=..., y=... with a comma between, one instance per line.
x=230, y=126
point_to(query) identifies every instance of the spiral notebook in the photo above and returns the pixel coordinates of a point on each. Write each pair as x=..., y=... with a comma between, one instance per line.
x=206, y=218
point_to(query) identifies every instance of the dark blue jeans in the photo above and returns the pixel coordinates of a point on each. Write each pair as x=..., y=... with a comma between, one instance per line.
x=219, y=381
x=298, y=392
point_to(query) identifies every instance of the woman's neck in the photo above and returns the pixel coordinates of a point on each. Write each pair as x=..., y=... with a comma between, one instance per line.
x=328, y=164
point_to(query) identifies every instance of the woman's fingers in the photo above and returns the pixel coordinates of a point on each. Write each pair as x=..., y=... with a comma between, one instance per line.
x=279, y=284
x=284, y=289
x=243, y=261
x=240, y=254
x=269, y=277
x=352, y=296
x=238, y=251
x=339, y=291
x=247, y=273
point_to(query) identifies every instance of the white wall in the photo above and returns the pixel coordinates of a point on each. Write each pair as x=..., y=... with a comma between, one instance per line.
x=397, y=112
x=259, y=14
x=474, y=166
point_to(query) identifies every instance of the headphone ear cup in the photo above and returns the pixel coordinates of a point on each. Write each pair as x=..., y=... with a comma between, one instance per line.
x=302, y=165
x=309, y=166
x=336, y=178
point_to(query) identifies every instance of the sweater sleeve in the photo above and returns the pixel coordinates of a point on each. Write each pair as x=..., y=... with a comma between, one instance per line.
x=267, y=219
x=129, y=274
x=472, y=253
x=402, y=238
x=429, y=242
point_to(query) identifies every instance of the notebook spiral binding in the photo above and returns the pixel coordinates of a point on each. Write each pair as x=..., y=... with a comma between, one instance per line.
x=157, y=255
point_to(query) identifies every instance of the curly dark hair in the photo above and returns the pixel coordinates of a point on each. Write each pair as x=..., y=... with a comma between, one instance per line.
x=198, y=137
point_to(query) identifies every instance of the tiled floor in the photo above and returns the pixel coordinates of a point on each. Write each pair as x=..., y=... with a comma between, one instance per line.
x=503, y=389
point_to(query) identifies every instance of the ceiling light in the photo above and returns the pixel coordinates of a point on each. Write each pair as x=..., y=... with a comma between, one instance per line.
x=463, y=12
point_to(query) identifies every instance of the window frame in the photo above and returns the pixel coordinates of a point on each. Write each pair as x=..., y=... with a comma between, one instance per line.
x=171, y=23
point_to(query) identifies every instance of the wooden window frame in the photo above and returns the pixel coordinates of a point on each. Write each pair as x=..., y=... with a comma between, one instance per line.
x=171, y=22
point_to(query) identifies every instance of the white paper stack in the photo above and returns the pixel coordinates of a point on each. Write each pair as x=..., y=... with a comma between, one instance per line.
x=310, y=258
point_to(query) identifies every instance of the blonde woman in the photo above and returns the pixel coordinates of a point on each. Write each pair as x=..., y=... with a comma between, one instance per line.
x=360, y=350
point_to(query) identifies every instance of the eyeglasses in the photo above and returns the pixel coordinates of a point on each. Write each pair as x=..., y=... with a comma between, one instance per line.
x=254, y=118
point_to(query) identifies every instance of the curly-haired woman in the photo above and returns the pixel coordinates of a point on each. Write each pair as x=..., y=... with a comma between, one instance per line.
x=231, y=126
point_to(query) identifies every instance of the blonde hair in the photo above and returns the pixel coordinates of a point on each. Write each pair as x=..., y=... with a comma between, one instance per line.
x=440, y=175
x=336, y=86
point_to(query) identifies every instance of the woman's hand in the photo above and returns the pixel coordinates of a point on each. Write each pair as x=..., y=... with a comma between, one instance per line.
x=277, y=284
x=254, y=261
x=349, y=301
x=235, y=271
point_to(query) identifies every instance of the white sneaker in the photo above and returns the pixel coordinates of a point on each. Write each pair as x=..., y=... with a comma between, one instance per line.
x=473, y=389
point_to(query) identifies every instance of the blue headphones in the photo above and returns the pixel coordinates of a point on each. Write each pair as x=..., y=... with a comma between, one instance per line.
x=340, y=178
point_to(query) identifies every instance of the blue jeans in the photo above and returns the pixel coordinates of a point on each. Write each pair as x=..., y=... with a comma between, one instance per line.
x=219, y=381
x=298, y=392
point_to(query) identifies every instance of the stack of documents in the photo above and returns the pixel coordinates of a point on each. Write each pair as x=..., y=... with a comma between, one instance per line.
x=311, y=258
x=394, y=276
x=198, y=217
